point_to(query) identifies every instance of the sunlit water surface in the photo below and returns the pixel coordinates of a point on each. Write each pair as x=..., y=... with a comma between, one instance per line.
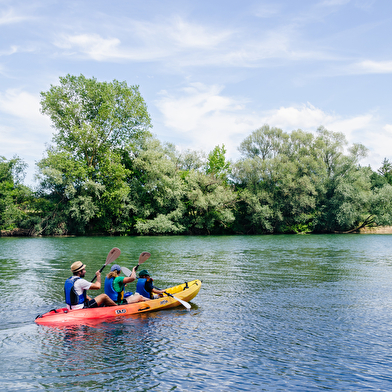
x=274, y=313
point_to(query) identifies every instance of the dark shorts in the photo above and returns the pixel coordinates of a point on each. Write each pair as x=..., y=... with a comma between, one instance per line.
x=92, y=304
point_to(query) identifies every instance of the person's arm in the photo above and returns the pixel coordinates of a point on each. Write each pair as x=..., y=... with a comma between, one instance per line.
x=96, y=285
x=130, y=278
x=157, y=291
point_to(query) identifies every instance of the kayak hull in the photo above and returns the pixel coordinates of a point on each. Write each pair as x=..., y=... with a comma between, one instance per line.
x=186, y=292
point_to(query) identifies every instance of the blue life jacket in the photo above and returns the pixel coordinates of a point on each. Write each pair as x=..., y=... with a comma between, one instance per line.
x=113, y=294
x=71, y=296
x=141, y=289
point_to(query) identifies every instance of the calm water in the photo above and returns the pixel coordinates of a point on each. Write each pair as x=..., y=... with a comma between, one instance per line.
x=275, y=313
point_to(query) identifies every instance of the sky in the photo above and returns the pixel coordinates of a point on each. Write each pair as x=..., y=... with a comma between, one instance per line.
x=210, y=72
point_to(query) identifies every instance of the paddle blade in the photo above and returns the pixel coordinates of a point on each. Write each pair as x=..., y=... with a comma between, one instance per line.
x=113, y=255
x=188, y=306
x=126, y=271
x=143, y=257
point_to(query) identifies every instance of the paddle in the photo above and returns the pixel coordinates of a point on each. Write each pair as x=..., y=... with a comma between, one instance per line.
x=128, y=272
x=179, y=300
x=142, y=258
x=113, y=255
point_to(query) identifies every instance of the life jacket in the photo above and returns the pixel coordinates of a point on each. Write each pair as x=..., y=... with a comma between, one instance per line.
x=140, y=288
x=113, y=294
x=71, y=296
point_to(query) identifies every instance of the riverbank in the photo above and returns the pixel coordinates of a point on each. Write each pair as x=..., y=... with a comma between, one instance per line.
x=15, y=233
x=27, y=233
x=376, y=230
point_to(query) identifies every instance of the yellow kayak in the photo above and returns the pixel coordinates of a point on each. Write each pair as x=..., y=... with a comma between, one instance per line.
x=183, y=292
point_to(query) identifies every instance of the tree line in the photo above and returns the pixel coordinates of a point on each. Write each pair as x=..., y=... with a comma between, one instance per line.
x=105, y=173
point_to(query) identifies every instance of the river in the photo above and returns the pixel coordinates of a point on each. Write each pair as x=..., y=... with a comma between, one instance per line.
x=274, y=313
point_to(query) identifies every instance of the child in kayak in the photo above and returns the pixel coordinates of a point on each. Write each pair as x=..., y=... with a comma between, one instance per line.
x=146, y=287
x=115, y=287
x=75, y=289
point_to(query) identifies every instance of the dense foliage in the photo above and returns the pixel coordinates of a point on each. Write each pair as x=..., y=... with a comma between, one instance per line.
x=15, y=198
x=106, y=174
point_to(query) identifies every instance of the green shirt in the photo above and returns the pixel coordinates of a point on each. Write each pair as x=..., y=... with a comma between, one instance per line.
x=118, y=284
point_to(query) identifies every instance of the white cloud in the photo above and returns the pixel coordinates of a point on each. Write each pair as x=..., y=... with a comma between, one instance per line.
x=10, y=16
x=362, y=128
x=309, y=118
x=20, y=104
x=379, y=141
x=92, y=45
x=199, y=102
x=388, y=129
x=304, y=117
x=23, y=130
x=190, y=35
x=13, y=49
x=179, y=42
x=204, y=117
x=144, y=41
x=372, y=67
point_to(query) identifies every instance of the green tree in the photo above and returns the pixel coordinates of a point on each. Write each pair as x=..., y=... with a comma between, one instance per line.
x=189, y=160
x=84, y=176
x=383, y=175
x=380, y=209
x=209, y=204
x=303, y=183
x=346, y=186
x=264, y=143
x=172, y=195
x=277, y=188
x=386, y=171
x=15, y=198
x=156, y=190
x=92, y=118
x=217, y=166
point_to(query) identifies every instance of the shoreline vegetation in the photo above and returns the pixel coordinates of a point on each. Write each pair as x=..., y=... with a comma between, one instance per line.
x=26, y=233
x=105, y=173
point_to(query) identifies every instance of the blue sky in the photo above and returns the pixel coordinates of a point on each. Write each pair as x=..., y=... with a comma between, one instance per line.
x=211, y=72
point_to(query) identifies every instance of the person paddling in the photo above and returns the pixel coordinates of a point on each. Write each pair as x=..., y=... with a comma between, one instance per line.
x=75, y=290
x=115, y=287
x=146, y=287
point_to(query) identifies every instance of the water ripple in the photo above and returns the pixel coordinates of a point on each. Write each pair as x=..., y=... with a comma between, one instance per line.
x=281, y=313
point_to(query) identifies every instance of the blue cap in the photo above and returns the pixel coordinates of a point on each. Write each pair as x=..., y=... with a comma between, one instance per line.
x=115, y=267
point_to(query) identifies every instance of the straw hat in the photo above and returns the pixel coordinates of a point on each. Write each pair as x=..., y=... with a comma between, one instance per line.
x=77, y=266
